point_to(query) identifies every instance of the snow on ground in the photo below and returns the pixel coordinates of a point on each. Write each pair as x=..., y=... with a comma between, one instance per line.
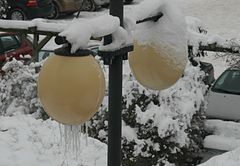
x=25, y=141
x=223, y=143
x=231, y=158
x=219, y=16
x=225, y=135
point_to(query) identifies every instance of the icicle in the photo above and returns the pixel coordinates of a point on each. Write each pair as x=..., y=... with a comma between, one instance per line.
x=95, y=162
x=75, y=141
x=86, y=133
x=80, y=137
x=72, y=145
x=61, y=134
x=65, y=140
x=71, y=139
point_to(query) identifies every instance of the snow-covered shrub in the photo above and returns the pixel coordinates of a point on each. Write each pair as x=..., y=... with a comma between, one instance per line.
x=231, y=59
x=4, y=7
x=197, y=35
x=159, y=127
x=18, y=88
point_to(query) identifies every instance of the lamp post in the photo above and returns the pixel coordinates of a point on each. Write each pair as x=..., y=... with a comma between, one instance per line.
x=115, y=95
x=115, y=86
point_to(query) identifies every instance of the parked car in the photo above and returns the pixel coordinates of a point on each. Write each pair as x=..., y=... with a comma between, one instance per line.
x=207, y=68
x=65, y=7
x=224, y=96
x=209, y=71
x=43, y=54
x=13, y=45
x=91, y=5
x=28, y=9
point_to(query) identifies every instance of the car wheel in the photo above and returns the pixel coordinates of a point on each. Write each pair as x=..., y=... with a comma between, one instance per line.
x=88, y=5
x=55, y=13
x=17, y=14
x=128, y=1
x=106, y=5
x=70, y=13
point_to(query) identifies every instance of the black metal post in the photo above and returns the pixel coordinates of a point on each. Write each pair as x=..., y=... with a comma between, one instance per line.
x=115, y=96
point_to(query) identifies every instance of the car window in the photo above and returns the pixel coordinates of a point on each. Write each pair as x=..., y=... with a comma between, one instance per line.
x=1, y=49
x=228, y=82
x=9, y=43
x=43, y=54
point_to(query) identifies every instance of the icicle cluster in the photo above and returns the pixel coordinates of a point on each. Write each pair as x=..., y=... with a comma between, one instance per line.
x=73, y=138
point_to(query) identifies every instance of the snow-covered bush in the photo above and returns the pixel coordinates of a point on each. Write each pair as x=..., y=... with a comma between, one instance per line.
x=231, y=59
x=197, y=35
x=4, y=7
x=18, y=88
x=159, y=127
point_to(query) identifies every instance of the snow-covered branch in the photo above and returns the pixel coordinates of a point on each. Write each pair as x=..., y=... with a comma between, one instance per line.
x=38, y=24
x=200, y=39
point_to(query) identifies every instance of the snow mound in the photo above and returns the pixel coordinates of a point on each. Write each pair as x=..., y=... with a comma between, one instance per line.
x=221, y=142
x=227, y=159
x=224, y=128
x=26, y=141
x=225, y=135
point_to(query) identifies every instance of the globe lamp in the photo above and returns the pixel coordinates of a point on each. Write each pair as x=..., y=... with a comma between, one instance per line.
x=156, y=68
x=71, y=87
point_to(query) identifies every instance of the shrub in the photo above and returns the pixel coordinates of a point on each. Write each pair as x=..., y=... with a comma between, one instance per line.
x=159, y=127
x=4, y=7
x=18, y=87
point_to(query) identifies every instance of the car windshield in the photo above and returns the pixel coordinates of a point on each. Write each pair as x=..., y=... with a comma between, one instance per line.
x=228, y=82
x=44, y=54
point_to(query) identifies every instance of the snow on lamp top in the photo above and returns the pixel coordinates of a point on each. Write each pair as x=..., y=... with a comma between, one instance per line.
x=169, y=33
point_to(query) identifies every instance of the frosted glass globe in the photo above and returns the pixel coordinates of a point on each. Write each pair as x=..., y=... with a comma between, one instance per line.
x=154, y=68
x=71, y=89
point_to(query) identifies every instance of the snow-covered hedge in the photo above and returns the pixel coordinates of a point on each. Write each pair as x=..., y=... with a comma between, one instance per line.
x=18, y=89
x=4, y=7
x=158, y=127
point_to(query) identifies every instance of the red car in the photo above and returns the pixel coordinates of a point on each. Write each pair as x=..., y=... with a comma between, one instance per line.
x=28, y=9
x=13, y=45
